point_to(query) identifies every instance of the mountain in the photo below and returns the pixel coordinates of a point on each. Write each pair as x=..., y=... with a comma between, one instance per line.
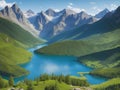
x=15, y=15
x=16, y=32
x=51, y=12
x=29, y=13
x=88, y=39
x=51, y=23
x=102, y=13
x=108, y=23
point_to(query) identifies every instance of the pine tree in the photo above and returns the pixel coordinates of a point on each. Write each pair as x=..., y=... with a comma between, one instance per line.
x=1, y=82
x=11, y=81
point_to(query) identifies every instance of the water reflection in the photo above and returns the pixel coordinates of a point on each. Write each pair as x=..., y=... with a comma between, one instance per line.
x=40, y=64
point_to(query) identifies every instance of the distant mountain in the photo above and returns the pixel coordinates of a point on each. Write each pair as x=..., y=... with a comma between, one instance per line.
x=15, y=15
x=51, y=12
x=51, y=23
x=109, y=22
x=102, y=13
x=29, y=13
x=99, y=36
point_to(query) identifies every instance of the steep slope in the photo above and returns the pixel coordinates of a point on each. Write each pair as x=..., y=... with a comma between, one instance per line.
x=111, y=21
x=11, y=54
x=15, y=31
x=51, y=23
x=109, y=58
x=106, y=63
x=83, y=47
x=112, y=84
x=102, y=13
x=29, y=13
x=51, y=12
x=15, y=15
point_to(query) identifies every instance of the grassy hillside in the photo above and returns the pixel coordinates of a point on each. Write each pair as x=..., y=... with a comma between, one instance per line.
x=42, y=85
x=109, y=58
x=106, y=63
x=113, y=84
x=85, y=46
x=11, y=54
x=15, y=31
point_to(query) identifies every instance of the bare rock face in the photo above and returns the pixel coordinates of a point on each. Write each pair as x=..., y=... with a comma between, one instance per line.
x=15, y=15
x=51, y=23
x=102, y=13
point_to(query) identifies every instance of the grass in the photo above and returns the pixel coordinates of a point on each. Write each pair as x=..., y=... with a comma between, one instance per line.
x=113, y=82
x=42, y=84
x=12, y=54
x=13, y=40
x=107, y=72
x=107, y=58
x=19, y=34
x=83, y=47
x=61, y=86
x=81, y=77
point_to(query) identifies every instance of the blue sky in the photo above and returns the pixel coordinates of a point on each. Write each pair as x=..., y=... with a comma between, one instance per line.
x=90, y=6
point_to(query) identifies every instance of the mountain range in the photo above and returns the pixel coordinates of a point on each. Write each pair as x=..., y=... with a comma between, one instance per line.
x=49, y=23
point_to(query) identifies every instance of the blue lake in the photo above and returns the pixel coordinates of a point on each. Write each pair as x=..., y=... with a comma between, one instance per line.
x=40, y=64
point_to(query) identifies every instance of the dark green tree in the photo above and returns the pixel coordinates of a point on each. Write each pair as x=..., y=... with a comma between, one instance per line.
x=11, y=81
x=2, y=84
x=30, y=87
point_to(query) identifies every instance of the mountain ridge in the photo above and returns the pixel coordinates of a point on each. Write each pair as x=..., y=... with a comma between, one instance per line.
x=58, y=22
x=15, y=15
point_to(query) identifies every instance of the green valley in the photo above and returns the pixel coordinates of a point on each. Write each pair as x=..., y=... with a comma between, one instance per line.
x=13, y=41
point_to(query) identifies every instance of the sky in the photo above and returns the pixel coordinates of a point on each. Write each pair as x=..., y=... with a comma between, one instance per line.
x=89, y=6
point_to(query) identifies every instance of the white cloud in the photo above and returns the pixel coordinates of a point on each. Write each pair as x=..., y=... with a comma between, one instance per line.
x=93, y=3
x=77, y=10
x=3, y=3
x=113, y=6
x=57, y=10
x=71, y=4
x=96, y=9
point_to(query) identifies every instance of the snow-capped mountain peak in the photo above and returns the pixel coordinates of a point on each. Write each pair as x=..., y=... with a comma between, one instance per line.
x=102, y=13
x=29, y=13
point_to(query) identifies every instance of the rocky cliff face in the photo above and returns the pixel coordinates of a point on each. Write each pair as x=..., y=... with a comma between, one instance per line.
x=51, y=23
x=15, y=15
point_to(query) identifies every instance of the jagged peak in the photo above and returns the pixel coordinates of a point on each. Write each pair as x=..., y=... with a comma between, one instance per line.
x=30, y=11
x=50, y=9
x=117, y=10
x=15, y=6
x=68, y=11
x=107, y=10
x=6, y=7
